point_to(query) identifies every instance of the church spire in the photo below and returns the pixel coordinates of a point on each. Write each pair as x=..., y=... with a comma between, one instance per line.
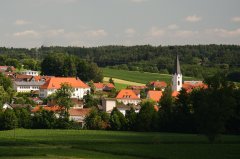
x=177, y=76
x=177, y=69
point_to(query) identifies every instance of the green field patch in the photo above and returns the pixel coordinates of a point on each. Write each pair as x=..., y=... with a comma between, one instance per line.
x=114, y=144
x=139, y=77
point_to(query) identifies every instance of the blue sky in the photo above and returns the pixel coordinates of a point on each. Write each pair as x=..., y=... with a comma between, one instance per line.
x=32, y=23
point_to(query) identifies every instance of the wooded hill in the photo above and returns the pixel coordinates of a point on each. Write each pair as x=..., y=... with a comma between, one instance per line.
x=196, y=60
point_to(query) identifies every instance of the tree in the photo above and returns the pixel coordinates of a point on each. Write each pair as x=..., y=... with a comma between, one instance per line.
x=117, y=120
x=131, y=118
x=44, y=119
x=213, y=106
x=23, y=116
x=111, y=80
x=8, y=120
x=165, y=112
x=63, y=98
x=147, y=117
x=96, y=120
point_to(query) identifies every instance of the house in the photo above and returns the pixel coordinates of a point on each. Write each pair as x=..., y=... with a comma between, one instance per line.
x=29, y=72
x=78, y=115
x=124, y=108
x=27, y=86
x=7, y=69
x=108, y=104
x=154, y=95
x=54, y=83
x=158, y=85
x=127, y=96
x=190, y=85
x=103, y=86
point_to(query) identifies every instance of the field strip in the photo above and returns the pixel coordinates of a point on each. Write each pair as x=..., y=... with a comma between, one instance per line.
x=116, y=80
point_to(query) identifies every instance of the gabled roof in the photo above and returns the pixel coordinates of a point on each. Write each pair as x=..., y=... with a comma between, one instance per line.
x=155, y=95
x=158, y=84
x=38, y=78
x=79, y=112
x=100, y=85
x=190, y=85
x=55, y=83
x=48, y=108
x=127, y=94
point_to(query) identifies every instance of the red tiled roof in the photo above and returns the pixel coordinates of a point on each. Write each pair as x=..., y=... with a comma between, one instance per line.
x=158, y=84
x=175, y=93
x=136, y=87
x=79, y=112
x=49, y=108
x=110, y=85
x=100, y=85
x=155, y=95
x=189, y=85
x=127, y=94
x=55, y=83
x=38, y=78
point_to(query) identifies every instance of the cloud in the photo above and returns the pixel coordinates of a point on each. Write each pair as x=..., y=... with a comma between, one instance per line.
x=156, y=32
x=21, y=22
x=173, y=27
x=235, y=19
x=27, y=33
x=193, y=18
x=130, y=32
x=224, y=32
x=95, y=33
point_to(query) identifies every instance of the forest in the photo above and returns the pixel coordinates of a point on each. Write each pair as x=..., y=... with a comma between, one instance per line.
x=196, y=60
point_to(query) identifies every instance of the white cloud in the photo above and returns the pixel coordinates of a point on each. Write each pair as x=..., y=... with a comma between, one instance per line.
x=95, y=33
x=193, y=18
x=173, y=27
x=235, y=19
x=156, y=32
x=21, y=22
x=27, y=33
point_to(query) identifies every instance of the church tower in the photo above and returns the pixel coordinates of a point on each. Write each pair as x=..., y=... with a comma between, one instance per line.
x=177, y=76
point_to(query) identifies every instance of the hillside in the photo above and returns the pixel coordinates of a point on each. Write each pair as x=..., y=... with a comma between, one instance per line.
x=196, y=60
x=139, y=77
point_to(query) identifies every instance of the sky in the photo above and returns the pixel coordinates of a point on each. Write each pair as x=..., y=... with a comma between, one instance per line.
x=33, y=23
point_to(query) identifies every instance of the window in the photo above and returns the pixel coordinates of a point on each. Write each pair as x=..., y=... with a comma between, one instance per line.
x=178, y=82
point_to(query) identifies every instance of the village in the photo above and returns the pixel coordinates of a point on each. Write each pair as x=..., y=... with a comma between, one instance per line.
x=41, y=87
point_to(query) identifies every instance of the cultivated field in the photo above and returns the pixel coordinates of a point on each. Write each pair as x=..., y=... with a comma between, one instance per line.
x=23, y=143
x=139, y=77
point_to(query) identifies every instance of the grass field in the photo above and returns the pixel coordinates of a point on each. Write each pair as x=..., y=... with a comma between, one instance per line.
x=113, y=145
x=139, y=77
x=122, y=84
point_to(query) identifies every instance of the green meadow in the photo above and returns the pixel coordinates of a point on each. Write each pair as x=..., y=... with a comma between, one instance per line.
x=23, y=143
x=136, y=76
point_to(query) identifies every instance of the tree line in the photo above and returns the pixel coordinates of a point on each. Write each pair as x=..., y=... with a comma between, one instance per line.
x=196, y=60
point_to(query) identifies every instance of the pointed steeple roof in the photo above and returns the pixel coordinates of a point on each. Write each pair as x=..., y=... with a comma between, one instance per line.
x=177, y=69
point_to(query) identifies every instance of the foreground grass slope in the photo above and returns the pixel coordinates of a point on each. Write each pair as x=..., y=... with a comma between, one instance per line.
x=139, y=77
x=115, y=145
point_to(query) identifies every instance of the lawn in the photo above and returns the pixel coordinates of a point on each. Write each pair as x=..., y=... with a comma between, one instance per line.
x=139, y=77
x=113, y=145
